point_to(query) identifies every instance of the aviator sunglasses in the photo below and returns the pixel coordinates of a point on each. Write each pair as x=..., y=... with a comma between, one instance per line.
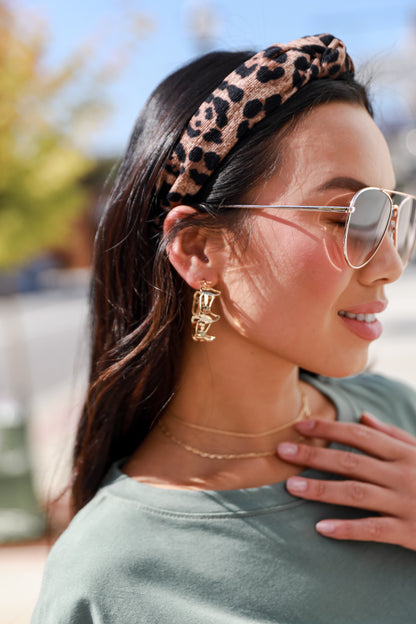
x=371, y=213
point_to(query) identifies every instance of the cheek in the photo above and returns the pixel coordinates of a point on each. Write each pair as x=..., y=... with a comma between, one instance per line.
x=306, y=266
x=292, y=279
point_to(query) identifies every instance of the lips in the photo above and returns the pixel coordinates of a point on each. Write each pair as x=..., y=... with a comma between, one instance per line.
x=371, y=307
x=361, y=320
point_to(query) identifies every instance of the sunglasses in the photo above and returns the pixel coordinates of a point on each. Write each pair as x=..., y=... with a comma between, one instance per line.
x=371, y=214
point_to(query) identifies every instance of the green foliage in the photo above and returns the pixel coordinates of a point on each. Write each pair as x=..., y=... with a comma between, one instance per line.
x=41, y=167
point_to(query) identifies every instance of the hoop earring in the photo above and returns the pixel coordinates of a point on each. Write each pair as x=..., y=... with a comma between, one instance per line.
x=202, y=317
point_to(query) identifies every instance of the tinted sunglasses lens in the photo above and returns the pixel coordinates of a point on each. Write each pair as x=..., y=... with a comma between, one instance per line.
x=406, y=228
x=367, y=225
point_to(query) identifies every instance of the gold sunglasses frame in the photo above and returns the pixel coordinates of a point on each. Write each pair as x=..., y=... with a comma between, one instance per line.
x=391, y=224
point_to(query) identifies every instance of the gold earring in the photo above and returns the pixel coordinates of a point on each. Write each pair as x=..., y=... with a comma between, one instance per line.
x=202, y=317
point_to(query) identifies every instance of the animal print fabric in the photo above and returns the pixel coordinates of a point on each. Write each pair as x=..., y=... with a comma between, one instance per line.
x=245, y=97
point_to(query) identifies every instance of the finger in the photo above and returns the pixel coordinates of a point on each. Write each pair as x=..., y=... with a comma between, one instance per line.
x=347, y=493
x=379, y=529
x=391, y=430
x=361, y=437
x=348, y=464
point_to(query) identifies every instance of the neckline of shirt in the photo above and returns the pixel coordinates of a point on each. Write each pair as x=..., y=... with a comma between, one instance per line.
x=260, y=500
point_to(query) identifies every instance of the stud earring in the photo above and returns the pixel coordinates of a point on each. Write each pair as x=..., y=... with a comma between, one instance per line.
x=202, y=317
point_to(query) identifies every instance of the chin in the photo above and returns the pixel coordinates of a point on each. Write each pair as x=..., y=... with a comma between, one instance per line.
x=341, y=368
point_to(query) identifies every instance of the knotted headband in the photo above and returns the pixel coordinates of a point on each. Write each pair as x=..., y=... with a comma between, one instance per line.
x=245, y=97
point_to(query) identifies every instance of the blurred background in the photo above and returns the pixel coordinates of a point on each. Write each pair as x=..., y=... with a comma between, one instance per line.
x=73, y=77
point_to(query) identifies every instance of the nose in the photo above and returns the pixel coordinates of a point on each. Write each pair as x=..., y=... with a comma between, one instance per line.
x=386, y=266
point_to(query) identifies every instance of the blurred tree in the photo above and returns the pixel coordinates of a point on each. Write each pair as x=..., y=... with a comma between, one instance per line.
x=42, y=111
x=39, y=167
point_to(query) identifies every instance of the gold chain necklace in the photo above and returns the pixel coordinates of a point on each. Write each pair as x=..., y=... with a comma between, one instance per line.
x=304, y=411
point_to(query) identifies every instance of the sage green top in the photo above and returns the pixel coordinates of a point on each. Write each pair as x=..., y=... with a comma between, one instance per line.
x=139, y=554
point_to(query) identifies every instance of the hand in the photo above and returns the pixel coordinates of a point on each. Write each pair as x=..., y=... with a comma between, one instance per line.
x=383, y=480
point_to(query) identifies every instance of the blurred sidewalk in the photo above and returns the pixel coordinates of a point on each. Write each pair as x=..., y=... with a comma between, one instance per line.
x=21, y=565
x=43, y=361
x=20, y=579
x=55, y=407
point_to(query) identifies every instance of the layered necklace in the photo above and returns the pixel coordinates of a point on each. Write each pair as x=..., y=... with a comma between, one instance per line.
x=304, y=412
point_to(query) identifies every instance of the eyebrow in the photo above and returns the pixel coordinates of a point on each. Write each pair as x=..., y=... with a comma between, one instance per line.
x=342, y=182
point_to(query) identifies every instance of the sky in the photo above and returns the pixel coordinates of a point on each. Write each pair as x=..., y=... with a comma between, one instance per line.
x=164, y=38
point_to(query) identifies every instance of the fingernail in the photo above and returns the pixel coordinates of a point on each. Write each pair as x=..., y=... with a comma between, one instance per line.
x=325, y=526
x=296, y=484
x=369, y=416
x=305, y=425
x=287, y=448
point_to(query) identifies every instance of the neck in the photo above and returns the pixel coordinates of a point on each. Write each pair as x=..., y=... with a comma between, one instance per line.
x=251, y=393
x=235, y=387
x=238, y=389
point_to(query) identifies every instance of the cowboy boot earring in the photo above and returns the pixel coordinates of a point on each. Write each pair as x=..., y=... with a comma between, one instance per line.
x=202, y=317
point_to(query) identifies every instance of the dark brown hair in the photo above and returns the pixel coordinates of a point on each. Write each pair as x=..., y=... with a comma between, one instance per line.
x=138, y=302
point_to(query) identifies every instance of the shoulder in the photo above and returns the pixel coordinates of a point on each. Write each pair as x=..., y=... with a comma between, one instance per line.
x=375, y=385
x=388, y=399
x=71, y=572
x=89, y=563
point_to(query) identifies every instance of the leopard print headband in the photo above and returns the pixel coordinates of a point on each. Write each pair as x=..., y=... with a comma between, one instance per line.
x=243, y=99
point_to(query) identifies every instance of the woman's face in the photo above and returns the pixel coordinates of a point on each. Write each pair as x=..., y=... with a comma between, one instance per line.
x=291, y=296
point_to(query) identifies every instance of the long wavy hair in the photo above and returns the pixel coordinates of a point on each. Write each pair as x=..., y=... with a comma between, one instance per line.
x=139, y=304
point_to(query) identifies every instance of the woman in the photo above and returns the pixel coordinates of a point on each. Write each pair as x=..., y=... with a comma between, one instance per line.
x=205, y=487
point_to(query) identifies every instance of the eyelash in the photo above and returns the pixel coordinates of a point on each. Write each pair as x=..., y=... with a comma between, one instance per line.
x=336, y=220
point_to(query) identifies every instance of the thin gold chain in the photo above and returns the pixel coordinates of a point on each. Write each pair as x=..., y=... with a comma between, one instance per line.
x=304, y=411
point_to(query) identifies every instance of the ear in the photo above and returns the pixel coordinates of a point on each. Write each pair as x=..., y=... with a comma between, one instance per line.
x=191, y=252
